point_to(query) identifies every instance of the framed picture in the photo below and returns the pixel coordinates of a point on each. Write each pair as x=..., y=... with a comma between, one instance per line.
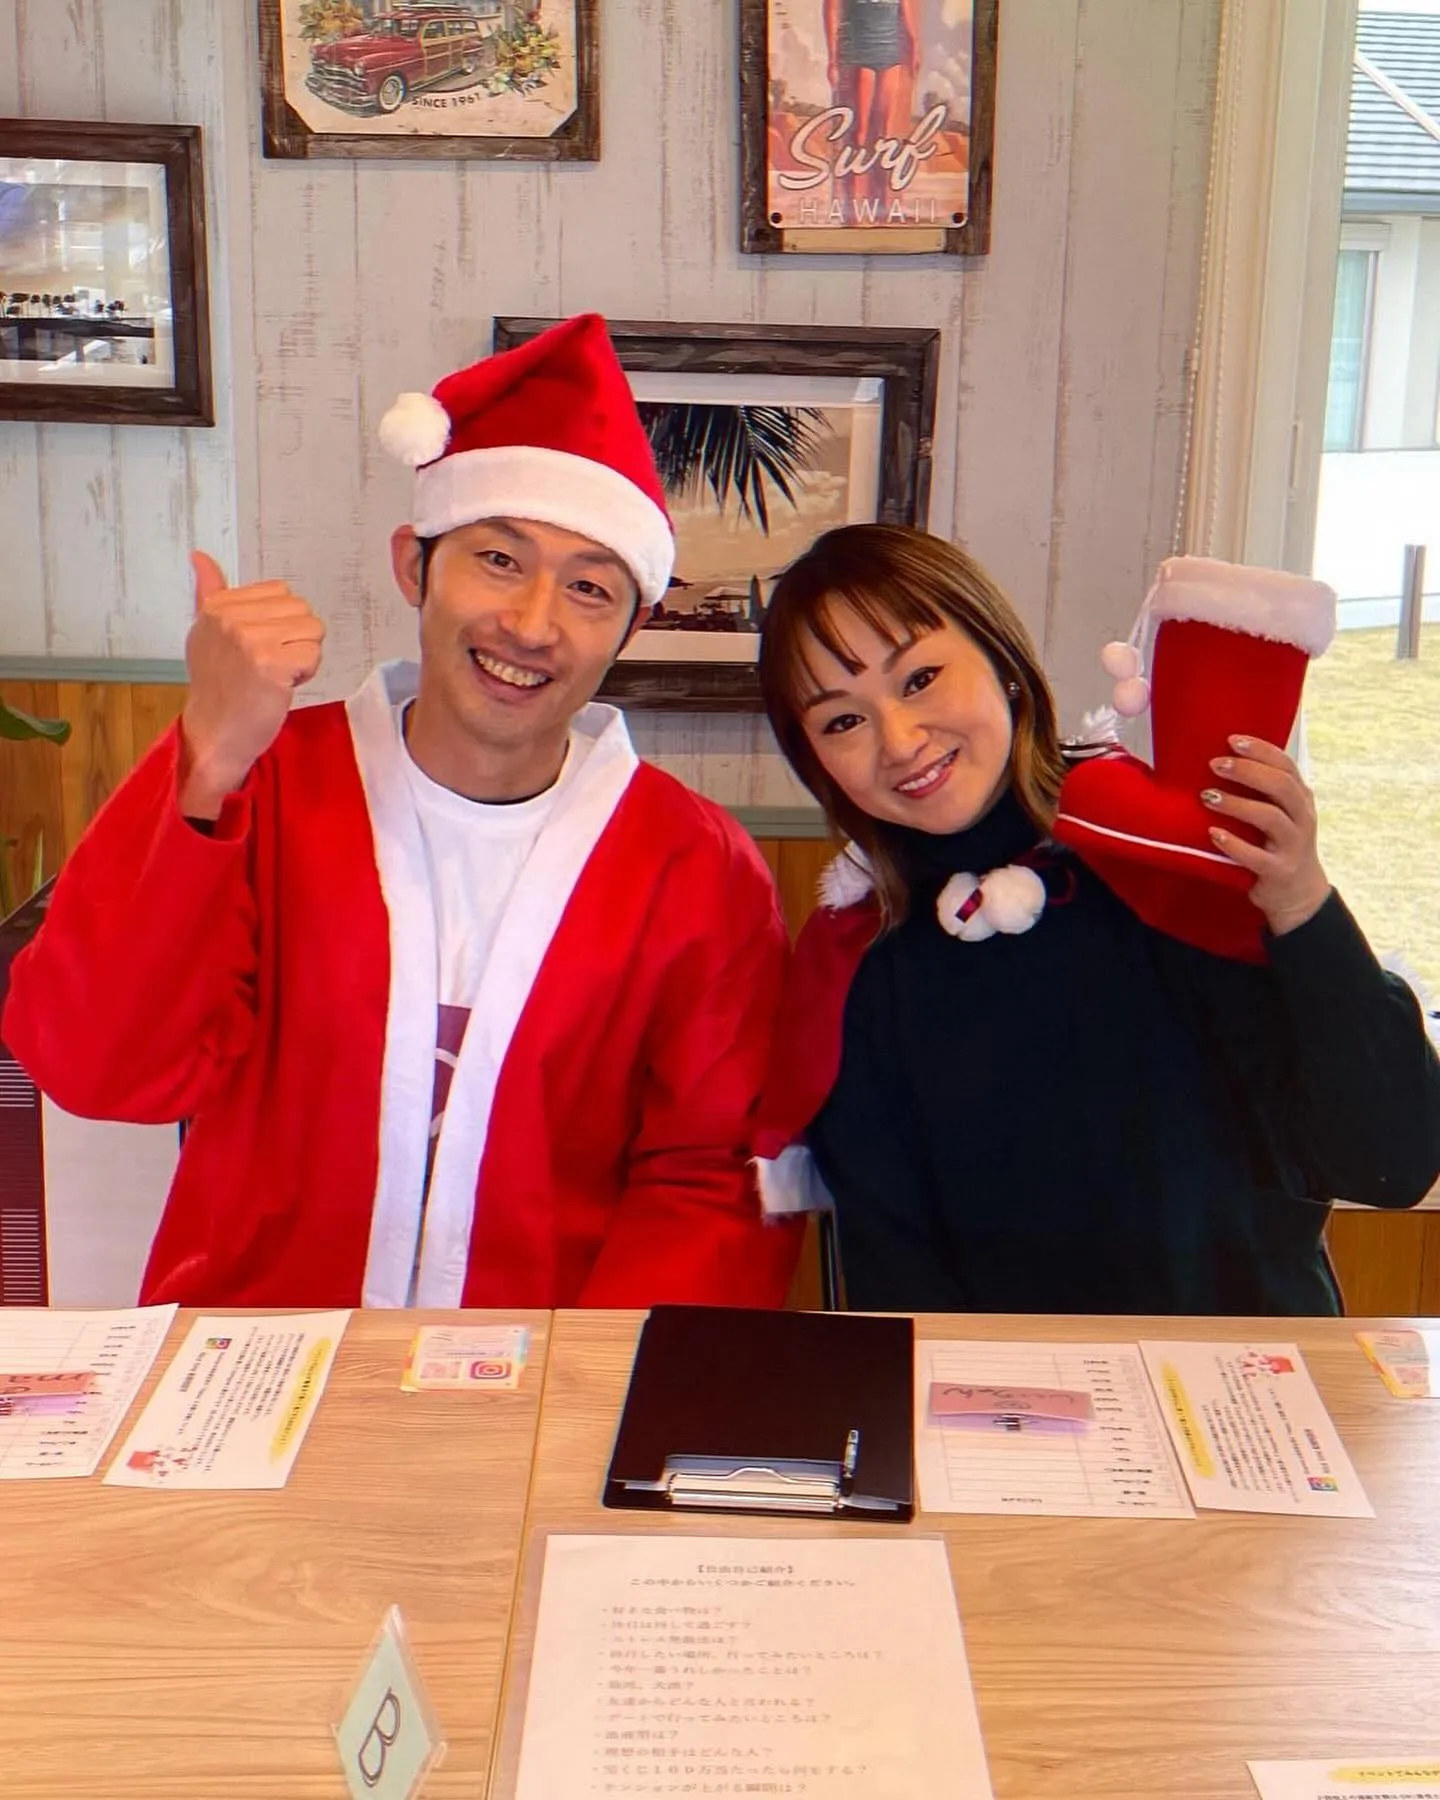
x=867, y=125
x=431, y=78
x=104, y=307
x=765, y=436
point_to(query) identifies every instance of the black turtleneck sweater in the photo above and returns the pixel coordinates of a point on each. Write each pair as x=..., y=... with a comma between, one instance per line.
x=1090, y=1117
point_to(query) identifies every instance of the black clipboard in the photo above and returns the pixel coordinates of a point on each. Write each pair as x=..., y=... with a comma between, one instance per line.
x=731, y=1410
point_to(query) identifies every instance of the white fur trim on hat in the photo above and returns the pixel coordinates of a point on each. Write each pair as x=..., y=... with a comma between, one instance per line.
x=1266, y=603
x=415, y=430
x=552, y=487
x=846, y=880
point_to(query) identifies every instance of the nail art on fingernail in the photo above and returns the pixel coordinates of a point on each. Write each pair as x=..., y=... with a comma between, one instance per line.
x=1222, y=765
x=1242, y=744
x=1211, y=796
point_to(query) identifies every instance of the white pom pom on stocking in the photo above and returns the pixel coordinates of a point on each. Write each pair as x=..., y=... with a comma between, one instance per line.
x=1131, y=696
x=1120, y=661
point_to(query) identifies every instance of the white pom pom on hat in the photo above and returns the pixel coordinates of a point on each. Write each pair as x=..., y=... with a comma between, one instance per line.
x=415, y=430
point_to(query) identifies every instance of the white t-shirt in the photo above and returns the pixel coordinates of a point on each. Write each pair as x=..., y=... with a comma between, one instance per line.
x=474, y=853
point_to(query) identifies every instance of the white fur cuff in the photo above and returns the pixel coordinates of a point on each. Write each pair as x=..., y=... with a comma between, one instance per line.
x=790, y=1183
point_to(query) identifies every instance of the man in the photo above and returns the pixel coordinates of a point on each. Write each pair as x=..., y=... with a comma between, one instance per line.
x=464, y=1005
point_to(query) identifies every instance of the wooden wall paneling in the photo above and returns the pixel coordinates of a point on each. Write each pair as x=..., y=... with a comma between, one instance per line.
x=31, y=803
x=400, y=349
x=154, y=707
x=80, y=541
x=61, y=52
x=1012, y=312
x=801, y=864
x=22, y=591
x=1428, y=1301
x=23, y=630
x=796, y=864
x=1132, y=54
x=160, y=67
x=308, y=320
x=99, y=754
x=1378, y=1257
x=12, y=83
x=805, y=1290
x=311, y=309
x=1194, y=99
x=770, y=849
x=609, y=219
x=73, y=529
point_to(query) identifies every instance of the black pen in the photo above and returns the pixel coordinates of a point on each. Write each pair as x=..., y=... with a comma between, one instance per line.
x=847, y=1466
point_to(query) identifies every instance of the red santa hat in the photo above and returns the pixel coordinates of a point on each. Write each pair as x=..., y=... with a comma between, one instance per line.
x=1231, y=651
x=548, y=431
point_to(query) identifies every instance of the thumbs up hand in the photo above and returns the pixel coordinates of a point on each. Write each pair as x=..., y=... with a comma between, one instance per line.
x=248, y=650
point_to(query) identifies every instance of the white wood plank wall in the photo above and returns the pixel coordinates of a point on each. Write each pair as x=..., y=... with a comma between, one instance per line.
x=335, y=285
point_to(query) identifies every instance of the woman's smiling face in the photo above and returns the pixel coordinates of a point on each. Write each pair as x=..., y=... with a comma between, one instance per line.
x=917, y=733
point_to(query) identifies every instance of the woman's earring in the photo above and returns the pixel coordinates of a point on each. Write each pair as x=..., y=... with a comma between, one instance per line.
x=1012, y=688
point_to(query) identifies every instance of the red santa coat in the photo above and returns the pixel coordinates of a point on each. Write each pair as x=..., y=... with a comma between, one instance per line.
x=276, y=985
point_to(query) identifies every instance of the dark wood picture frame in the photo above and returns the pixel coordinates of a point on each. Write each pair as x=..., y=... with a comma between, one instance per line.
x=759, y=236
x=285, y=133
x=190, y=400
x=905, y=360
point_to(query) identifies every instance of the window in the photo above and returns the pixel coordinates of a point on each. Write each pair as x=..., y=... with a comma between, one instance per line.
x=1349, y=349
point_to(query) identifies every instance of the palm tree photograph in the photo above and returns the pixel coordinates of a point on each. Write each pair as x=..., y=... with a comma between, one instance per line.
x=749, y=487
x=765, y=437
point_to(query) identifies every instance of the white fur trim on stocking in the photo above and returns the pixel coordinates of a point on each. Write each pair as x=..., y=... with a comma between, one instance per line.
x=1264, y=603
x=1011, y=900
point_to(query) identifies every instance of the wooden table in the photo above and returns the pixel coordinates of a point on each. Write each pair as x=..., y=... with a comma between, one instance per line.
x=198, y=1646
x=1114, y=1657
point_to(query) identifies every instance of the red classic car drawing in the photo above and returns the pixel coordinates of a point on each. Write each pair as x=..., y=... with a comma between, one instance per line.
x=404, y=51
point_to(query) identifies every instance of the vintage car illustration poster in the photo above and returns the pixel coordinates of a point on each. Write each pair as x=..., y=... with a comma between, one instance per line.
x=482, y=68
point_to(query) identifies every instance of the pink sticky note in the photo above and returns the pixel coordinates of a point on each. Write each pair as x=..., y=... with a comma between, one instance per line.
x=959, y=1403
x=48, y=1385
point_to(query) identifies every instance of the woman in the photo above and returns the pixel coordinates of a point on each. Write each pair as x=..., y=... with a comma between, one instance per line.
x=872, y=51
x=1082, y=1115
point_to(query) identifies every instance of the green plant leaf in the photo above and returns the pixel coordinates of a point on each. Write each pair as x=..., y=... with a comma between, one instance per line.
x=17, y=725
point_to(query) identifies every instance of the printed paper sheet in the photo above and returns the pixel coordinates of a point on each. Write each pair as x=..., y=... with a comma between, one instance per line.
x=1119, y=1466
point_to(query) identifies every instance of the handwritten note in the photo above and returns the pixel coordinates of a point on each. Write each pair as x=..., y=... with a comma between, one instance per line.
x=233, y=1408
x=1007, y=1407
x=1119, y=1464
x=829, y=1667
x=99, y=1359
